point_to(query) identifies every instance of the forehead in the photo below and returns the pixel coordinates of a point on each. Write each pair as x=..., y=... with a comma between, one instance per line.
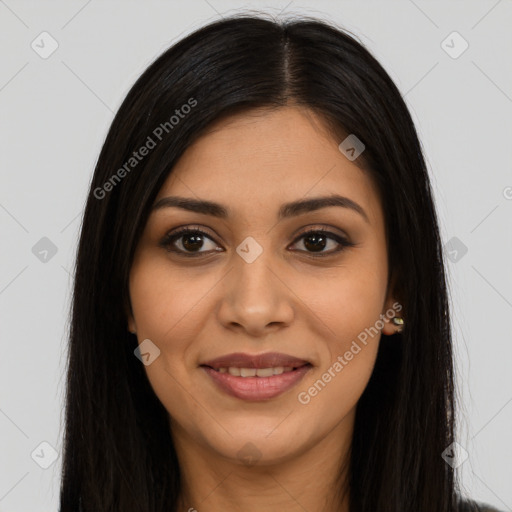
x=264, y=158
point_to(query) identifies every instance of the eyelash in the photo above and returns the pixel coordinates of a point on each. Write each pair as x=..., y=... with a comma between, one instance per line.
x=170, y=238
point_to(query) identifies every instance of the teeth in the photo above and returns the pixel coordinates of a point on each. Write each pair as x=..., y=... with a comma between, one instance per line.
x=255, y=372
x=265, y=372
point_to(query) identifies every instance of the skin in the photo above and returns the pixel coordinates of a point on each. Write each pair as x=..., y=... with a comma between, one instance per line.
x=288, y=300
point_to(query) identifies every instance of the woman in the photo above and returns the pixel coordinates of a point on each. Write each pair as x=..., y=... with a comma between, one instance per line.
x=260, y=316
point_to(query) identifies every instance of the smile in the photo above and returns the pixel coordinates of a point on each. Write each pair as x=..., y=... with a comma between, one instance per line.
x=255, y=372
x=256, y=384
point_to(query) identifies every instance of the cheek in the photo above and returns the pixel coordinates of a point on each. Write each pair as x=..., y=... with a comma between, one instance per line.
x=346, y=302
x=347, y=312
x=332, y=395
x=168, y=310
x=167, y=305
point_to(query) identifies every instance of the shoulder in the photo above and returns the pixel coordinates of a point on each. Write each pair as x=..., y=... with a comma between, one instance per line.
x=467, y=505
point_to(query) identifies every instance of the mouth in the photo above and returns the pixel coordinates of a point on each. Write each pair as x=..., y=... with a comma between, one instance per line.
x=256, y=378
x=256, y=372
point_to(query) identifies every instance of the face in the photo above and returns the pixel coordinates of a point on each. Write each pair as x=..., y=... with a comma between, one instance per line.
x=262, y=320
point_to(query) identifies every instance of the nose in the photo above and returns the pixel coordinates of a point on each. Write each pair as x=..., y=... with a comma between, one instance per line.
x=255, y=299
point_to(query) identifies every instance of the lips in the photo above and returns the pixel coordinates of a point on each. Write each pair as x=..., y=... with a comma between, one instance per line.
x=267, y=360
x=256, y=377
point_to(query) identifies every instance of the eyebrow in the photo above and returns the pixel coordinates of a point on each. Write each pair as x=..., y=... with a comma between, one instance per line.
x=287, y=210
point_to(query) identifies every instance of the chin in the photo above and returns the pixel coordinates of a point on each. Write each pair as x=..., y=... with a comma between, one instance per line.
x=266, y=445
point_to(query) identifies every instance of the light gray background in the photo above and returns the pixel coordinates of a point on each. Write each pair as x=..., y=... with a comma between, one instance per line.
x=55, y=113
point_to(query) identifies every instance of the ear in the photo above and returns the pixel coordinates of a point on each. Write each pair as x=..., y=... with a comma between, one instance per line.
x=131, y=320
x=131, y=325
x=392, y=307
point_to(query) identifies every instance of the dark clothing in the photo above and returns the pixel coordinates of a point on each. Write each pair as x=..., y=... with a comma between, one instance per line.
x=473, y=506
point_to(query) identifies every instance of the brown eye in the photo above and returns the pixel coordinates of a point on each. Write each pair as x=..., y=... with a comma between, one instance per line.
x=191, y=241
x=316, y=240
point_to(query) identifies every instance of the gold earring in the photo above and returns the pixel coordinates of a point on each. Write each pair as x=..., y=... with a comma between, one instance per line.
x=399, y=321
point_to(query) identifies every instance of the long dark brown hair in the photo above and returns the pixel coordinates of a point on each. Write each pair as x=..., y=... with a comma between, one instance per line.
x=118, y=451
